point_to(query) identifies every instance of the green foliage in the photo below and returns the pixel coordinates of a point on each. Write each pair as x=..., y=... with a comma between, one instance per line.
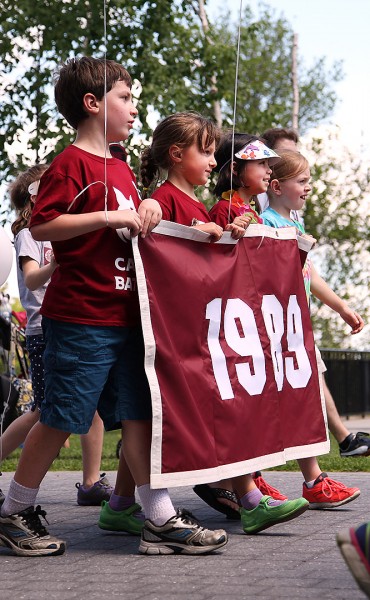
x=336, y=215
x=176, y=64
x=165, y=49
x=265, y=97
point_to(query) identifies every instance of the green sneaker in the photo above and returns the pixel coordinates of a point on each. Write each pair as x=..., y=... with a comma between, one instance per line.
x=122, y=521
x=264, y=516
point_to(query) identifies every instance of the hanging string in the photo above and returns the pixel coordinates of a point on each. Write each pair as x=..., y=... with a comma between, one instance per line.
x=105, y=110
x=234, y=111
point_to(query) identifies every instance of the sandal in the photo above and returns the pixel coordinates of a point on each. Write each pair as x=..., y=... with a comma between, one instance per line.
x=211, y=497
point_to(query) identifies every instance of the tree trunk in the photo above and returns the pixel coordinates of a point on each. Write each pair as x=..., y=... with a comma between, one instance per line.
x=295, y=83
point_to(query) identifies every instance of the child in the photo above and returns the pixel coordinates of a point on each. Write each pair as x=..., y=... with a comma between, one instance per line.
x=94, y=354
x=187, y=154
x=35, y=265
x=248, y=173
x=184, y=145
x=289, y=187
x=350, y=444
x=325, y=492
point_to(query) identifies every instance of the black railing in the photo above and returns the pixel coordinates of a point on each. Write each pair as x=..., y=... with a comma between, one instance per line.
x=348, y=378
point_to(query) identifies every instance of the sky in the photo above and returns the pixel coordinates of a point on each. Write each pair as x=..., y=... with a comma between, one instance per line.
x=339, y=31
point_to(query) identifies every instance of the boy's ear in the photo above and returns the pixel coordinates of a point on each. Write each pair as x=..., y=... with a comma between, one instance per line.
x=275, y=186
x=175, y=153
x=90, y=103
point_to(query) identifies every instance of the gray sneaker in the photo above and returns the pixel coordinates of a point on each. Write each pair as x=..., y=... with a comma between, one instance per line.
x=26, y=536
x=94, y=495
x=182, y=534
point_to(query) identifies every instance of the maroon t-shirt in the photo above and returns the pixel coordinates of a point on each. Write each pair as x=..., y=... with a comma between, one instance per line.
x=179, y=207
x=95, y=282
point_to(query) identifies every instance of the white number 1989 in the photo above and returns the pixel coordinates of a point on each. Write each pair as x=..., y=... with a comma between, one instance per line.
x=241, y=335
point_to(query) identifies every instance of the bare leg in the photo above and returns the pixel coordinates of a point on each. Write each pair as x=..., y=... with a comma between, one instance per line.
x=40, y=449
x=136, y=444
x=310, y=468
x=91, y=446
x=335, y=423
x=125, y=484
x=243, y=485
x=17, y=432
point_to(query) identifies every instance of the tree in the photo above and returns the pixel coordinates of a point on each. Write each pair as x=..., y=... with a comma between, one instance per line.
x=180, y=60
x=337, y=215
x=265, y=96
x=180, y=64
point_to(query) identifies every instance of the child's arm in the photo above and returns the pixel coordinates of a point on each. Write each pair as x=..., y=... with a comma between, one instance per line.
x=215, y=231
x=150, y=214
x=69, y=226
x=237, y=231
x=243, y=220
x=323, y=292
x=34, y=275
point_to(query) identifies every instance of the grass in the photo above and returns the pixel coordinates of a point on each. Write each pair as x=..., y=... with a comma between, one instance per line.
x=70, y=458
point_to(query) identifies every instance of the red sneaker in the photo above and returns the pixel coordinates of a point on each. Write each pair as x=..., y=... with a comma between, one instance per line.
x=328, y=493
x=266, y=488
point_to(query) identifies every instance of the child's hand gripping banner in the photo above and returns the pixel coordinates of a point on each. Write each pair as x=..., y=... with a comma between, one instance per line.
x=230, y=355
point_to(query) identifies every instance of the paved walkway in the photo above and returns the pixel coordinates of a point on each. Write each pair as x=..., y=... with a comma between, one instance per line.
x=293, y=561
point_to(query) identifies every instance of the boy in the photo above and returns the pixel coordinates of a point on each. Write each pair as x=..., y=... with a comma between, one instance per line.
x=94, y=353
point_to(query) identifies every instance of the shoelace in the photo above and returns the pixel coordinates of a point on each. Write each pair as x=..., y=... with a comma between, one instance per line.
x=330, y=485
x=33, y=522
x=187, y=517
x=104, y=482
x=271, y=488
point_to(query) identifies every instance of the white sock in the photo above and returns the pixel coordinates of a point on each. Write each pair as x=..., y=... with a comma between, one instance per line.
x=157, y=504
x=18, y=499
x=310, y=484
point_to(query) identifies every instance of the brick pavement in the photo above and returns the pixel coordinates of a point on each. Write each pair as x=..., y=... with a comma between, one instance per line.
x=297, y=560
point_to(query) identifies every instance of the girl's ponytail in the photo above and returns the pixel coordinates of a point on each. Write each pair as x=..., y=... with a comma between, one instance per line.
x=149, y=170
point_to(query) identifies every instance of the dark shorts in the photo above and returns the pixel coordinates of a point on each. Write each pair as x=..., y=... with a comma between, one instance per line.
x=35, y=348
x=89, y=368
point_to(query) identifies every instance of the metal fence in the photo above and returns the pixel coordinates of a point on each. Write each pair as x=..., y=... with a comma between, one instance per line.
x=348, y=378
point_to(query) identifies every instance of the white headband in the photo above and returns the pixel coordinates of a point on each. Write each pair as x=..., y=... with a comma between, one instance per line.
x=33, y=188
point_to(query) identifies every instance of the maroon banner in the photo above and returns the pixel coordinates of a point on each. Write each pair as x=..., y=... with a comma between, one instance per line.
x=230, y=355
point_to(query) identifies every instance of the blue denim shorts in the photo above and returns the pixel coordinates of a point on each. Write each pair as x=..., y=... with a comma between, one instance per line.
x=89, y=368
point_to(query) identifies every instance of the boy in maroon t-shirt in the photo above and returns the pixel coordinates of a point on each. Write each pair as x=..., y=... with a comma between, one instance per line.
x=94, y=356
